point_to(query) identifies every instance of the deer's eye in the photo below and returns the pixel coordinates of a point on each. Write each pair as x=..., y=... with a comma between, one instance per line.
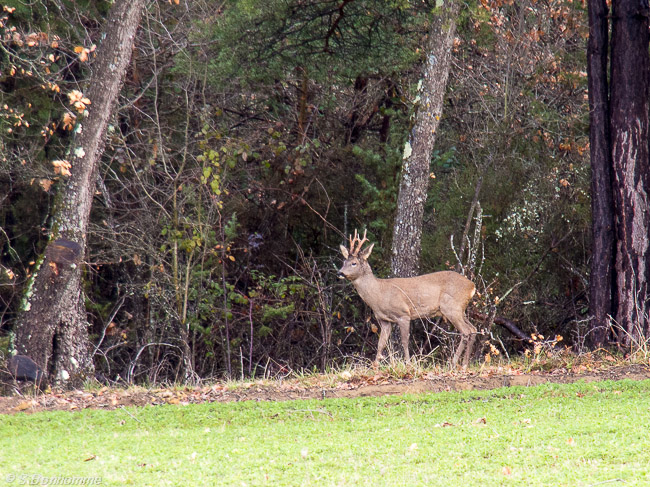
x=353, y=264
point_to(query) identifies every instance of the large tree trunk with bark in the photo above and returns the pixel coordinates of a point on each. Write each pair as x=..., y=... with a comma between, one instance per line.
x=407, y=230
x=53, y=328
x=601, y=285
x=629, y=125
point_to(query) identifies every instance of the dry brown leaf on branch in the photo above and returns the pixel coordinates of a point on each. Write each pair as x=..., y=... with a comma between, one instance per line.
x=46, y=184
x=69, y=120
x=78, y=100
x=62, y=167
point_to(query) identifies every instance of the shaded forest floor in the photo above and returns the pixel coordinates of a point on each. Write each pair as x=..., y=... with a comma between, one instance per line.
x=349, y=384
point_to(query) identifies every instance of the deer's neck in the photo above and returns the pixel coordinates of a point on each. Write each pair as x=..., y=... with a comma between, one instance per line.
x=367, y=286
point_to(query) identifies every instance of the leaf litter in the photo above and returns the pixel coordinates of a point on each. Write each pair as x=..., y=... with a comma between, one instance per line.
x=346, y=385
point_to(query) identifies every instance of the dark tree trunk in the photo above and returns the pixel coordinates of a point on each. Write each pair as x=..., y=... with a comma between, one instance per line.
x=629, y=126
x=53, y=329
x=356, y=128
x=384, y=131
x=601, y=285
x=407, y=230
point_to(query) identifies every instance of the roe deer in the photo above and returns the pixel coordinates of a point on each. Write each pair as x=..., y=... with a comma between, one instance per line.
x=400, y=300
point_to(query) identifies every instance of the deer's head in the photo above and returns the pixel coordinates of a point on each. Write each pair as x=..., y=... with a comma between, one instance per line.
x=356, y=260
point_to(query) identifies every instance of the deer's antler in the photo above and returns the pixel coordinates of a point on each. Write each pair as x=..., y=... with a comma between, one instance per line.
x=356, y=243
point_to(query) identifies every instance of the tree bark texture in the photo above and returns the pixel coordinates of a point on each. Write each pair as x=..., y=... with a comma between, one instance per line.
x=53, y=328
x=629, y=125
x=407, y=230
x=601, y=284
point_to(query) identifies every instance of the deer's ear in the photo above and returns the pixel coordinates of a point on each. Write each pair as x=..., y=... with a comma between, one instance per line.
x=344, y=251
x=366, y=253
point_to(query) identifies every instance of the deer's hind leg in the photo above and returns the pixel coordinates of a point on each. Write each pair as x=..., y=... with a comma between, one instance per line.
x=467, y=340
x=471, y=340
x=456, y=315
x=462, y=345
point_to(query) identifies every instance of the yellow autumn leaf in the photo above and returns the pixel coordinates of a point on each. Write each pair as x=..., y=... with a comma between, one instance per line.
x=232, y=257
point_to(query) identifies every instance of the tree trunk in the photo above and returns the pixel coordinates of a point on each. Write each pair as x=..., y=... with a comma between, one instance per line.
x=629, y=126
x=53, y=328
x=407, y=230
x=601, y=284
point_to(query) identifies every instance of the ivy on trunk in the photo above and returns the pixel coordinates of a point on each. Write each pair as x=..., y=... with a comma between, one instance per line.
x=53, y=328
x=407, y=230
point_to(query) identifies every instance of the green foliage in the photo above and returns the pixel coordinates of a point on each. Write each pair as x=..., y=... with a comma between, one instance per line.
x=380, y=192
x=230, y=229
x=254, y=43
x=271, y=313
x=220, y=155
x=5, y=346
x=276, y=297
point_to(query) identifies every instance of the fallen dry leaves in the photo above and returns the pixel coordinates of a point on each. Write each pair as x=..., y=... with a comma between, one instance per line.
x=355, y=383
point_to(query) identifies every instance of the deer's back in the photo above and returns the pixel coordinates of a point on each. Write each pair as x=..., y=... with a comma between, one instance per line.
x=422, y=294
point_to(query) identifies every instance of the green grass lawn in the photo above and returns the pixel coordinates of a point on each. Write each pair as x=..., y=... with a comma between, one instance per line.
x=558, y=435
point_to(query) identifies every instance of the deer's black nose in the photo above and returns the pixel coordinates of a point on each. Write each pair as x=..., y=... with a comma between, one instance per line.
x=340, y=275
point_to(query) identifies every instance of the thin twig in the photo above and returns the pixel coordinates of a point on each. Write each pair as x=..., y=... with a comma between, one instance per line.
x=124, y=409
x=608, y=482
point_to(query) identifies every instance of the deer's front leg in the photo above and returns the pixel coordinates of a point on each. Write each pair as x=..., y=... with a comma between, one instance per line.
x=384, y=334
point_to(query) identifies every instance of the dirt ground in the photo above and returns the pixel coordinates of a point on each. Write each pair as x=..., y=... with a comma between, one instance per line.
x=341, y=385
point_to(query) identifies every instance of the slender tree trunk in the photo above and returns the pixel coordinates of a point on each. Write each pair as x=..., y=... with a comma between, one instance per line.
x=629, y=126
x=407, y=230
x=53, y=328
x=601, y=285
